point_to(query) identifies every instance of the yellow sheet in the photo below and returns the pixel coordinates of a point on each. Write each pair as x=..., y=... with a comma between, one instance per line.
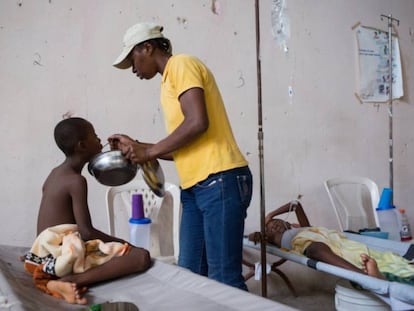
x=350, y=250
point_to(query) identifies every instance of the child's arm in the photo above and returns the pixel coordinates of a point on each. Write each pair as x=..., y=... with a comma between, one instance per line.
x=301, y=216
x=78, y=192
x=291, y=206
x=275, y=230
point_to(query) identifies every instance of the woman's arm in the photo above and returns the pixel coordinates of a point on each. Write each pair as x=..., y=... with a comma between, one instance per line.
x=194, y=124
x=165, y=156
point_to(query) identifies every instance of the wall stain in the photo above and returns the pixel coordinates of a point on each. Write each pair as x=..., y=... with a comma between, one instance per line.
x=37, y=59
x=183, y=21
x=68, y=114
x=241, y=79
x=215, y=7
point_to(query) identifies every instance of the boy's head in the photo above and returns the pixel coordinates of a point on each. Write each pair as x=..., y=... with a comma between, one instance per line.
x=72, y=133
x=277, y=226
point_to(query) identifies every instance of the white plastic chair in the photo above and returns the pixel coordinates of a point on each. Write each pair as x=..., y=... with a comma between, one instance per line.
x=354, y=200
x=164, y=212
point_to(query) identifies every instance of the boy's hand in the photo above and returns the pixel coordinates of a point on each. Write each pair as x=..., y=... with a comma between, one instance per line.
x=255, y=237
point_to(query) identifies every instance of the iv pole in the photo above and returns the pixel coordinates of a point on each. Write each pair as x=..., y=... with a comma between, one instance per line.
x=390, y=21
x=260, y=137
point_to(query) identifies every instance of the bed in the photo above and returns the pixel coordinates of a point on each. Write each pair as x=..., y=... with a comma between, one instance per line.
x=398, y=296
x=162, y=287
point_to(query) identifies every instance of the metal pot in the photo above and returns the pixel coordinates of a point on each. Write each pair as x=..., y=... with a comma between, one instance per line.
x=111, y=168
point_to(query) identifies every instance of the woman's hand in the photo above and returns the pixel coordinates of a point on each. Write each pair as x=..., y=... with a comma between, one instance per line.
x=136, y=152
x=119, y=141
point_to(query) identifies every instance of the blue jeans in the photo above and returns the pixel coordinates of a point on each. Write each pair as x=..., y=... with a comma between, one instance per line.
x=212, y=226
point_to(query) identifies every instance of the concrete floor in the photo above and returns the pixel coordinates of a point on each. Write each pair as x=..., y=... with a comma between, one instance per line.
x=319, y=294
x=315, y=290
x=308, y=299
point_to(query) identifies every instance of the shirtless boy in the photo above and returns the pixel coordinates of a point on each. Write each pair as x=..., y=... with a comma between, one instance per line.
x=64, y=201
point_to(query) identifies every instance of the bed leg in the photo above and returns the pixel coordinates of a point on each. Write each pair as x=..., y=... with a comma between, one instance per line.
x=251, y=270
x=286, y=279
x=250, y=274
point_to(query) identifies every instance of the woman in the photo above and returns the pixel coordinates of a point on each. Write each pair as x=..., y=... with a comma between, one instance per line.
x=215, y=179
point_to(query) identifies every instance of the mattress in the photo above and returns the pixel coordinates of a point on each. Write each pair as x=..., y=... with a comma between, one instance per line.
x=162, y=287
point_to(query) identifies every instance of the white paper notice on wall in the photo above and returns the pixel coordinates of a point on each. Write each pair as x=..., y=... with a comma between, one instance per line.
x=373, y=65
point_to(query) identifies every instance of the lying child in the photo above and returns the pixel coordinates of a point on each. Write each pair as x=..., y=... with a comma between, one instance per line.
x=69, y=253
x=332, y=247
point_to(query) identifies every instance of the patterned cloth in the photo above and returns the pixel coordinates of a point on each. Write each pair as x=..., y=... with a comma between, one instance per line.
x=61, y=251
x=393, y=266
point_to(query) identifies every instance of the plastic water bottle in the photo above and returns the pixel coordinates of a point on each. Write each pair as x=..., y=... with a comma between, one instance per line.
x=387, y=215
x=140, y=227
x=405, y=232
x=389, y=222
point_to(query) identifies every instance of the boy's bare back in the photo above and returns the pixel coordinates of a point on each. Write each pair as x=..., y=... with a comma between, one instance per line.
x=63, y=191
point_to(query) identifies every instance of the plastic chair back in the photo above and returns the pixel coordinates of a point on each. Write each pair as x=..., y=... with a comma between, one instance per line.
x=354, y=200
x=164, y=212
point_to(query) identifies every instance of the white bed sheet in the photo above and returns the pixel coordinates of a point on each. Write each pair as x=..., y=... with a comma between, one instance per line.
x=162, y=287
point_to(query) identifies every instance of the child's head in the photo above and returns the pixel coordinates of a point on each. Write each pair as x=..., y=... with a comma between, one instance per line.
x=74, y=133
x=277, y=226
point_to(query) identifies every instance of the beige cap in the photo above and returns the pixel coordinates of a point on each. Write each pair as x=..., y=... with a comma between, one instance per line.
x=134, y=35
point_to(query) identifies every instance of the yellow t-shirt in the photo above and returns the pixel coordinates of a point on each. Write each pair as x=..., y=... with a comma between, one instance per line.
x=216, y=149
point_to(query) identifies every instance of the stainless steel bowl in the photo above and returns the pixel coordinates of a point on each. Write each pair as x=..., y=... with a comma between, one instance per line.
x=111, y=168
